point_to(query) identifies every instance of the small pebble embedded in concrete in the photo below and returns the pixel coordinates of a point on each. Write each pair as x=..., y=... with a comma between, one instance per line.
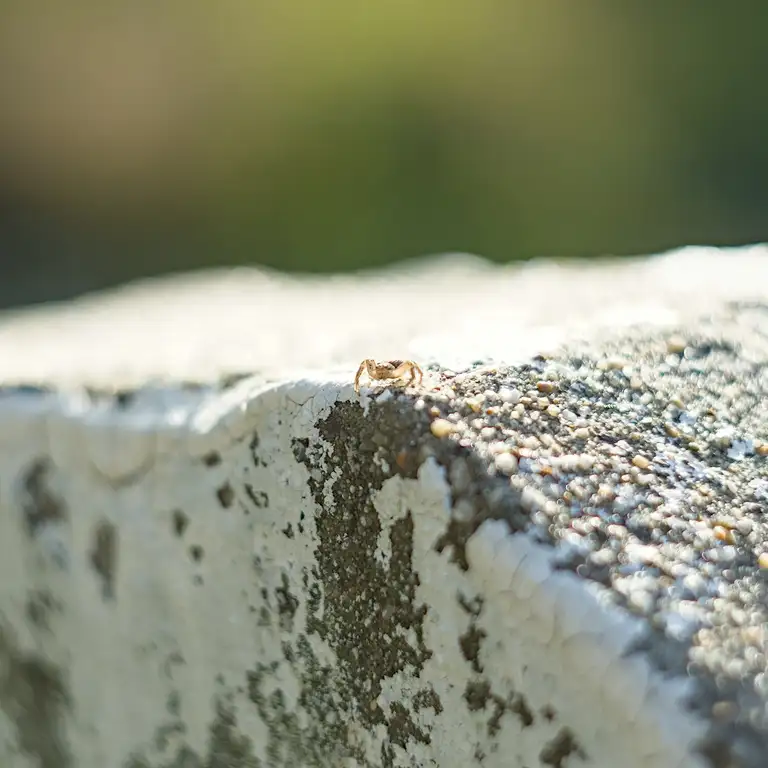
x=506, y=463
x=641, y=462
x=441, y=427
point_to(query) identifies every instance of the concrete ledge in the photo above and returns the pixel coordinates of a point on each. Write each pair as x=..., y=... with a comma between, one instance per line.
x=551, y=554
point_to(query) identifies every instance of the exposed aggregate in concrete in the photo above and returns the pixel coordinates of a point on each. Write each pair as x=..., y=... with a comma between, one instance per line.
x=647, y=468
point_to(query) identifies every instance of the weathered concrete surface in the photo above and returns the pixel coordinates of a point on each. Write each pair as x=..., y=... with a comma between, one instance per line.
x=552, y=554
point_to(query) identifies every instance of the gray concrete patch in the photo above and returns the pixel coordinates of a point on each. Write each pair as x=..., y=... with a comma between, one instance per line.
x=551, y=557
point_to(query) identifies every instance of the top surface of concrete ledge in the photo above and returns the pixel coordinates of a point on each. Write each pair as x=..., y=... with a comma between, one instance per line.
x=453, y=309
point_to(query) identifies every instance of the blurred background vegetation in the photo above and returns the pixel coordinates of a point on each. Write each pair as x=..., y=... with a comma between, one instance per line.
x=143, y=137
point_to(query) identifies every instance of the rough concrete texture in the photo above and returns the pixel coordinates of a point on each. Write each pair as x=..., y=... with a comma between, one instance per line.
x=553, y=553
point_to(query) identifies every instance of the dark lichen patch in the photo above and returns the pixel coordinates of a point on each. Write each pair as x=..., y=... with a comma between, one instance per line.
x=103, y=557
x=35, y=699
x=288, y=653
x=470, y=643
x=473, y=606
x=427, y=698
x=366, y=603
x=227, y=747
x=212, y=459
x=401, y=728
x=288, y=531
x=196, y=552
x=259, y=498
x=124, y=398
x=517, y=705
x=253, y=447
x=314, y=741
x=286, y=741
x=226, y=495
x=557, y=751
x=479, y=696
x=299, y=446
x=180, y=522
x=39, y=607
x=476, y=694
x=287, y=604
x=472, y=639
x=499, y=707
x=39, y=503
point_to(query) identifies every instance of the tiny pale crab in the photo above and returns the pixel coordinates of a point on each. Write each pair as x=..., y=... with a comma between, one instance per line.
x=389, y=369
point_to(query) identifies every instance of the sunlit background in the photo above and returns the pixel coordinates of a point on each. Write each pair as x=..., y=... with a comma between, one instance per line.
x=142, y=138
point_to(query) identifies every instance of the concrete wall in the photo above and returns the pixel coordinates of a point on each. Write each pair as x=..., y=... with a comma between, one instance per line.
x=213, y=552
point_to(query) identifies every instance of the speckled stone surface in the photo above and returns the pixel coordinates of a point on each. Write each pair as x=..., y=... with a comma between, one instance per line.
x=551, y=553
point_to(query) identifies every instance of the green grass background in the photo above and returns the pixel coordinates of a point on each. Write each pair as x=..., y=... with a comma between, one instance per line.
x=142, y=138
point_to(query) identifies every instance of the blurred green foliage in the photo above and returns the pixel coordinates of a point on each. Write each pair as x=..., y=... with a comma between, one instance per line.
x=140, y=138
